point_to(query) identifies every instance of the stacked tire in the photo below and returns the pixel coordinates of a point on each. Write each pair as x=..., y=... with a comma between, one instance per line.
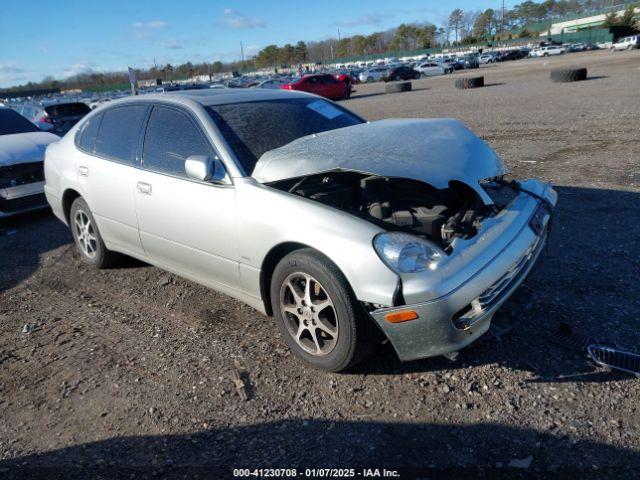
x=397, y=87
x=569, y=75
x=469, y=82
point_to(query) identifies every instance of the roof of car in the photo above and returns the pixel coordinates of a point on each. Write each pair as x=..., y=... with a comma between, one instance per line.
x=221, y=96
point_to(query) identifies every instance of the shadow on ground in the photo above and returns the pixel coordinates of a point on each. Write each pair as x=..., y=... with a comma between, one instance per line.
x=23, y=240
x=417, y=450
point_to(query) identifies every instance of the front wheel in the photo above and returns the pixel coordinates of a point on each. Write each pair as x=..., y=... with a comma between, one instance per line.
x=87, y=237
x=317, y=313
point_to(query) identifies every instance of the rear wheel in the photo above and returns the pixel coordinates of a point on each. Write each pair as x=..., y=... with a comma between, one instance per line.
x=87, y=237
x=370, y=80
x=317, y=313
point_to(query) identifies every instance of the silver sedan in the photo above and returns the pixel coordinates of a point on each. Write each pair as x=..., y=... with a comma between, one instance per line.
x=346, y=231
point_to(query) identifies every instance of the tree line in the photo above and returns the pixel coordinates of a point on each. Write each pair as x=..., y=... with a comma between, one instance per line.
x=461, y=27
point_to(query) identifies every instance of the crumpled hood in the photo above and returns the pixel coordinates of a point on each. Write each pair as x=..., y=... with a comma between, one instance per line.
x=434, y=151
x=24, y=147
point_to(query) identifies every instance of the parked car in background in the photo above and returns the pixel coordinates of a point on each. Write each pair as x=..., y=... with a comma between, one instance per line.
x=274, y=83
x=577, y=47
x=469, y=62
x=430, y=69
x=374, y=74
x=350, y=76
x=401, y=73
x=511, y=55
x=324, y=84
x=547, y=51
x=58, y=118
x=453, y=63
x=487, y=58
x=251, y=192
x=626, y=43
x=22, y=147
x=591, y=46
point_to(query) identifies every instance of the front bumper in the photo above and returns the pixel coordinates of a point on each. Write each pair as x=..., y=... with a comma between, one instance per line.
x=22, y=199
x=455, y=319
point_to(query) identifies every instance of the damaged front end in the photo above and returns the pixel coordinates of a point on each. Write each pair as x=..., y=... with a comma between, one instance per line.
x=458, y=257
x=459, y=237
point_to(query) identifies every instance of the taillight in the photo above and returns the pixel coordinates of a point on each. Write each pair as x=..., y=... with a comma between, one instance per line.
x=45, y=120
x=286, y=86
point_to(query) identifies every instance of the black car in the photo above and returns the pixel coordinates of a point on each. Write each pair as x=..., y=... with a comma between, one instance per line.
x=469, y=61
x=511, y=55
x=62, y=116
x=401, y=73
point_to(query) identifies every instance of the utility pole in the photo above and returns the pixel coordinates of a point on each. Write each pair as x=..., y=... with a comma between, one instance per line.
x=502, y=19
x=338, y=34
x=241, y=52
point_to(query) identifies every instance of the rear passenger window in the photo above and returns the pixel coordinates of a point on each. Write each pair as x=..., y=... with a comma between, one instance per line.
x=118, y=135
x=171, y=138
x=88, y=134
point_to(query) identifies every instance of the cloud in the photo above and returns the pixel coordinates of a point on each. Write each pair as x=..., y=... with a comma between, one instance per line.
x=238, y=21
x=77, y=69
x=171, y=44
x=372, y=19
x=11, y=72
x=147, y=29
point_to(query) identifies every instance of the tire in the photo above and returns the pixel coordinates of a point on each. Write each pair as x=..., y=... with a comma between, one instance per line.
x=370, y=80
x=469, y=82
x=356, y=335
x=416, y=76
x=89, y=242
x=568, y=75
x=397, y=87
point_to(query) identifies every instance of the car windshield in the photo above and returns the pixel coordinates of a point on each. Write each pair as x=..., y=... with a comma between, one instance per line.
x=12, y=122
x=253, y=128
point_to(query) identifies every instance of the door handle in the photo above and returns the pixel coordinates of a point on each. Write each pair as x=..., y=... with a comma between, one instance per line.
x=83, y=171
x=144, y=188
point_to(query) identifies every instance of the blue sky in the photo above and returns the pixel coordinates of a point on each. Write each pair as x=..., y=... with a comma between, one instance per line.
x=62, y=38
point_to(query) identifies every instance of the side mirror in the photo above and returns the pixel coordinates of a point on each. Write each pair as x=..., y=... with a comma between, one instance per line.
x=205, y=169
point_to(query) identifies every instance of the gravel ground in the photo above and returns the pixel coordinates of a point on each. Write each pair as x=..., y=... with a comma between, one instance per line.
x=130, y=371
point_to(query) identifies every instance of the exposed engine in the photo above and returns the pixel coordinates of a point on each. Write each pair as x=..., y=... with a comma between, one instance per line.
x=397, y=204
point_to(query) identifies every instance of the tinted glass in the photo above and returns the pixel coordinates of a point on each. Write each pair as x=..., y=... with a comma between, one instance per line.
x=12, y=122
x=67, y=109
x=118, y=134
x=253, y=128
x=170, y=139
x=89, y=132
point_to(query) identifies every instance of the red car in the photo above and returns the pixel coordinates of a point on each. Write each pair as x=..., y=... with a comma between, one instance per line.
x=324, y=85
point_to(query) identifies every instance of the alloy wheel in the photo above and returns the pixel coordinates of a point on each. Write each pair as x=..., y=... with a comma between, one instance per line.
x=309, y=314
x=85, y=234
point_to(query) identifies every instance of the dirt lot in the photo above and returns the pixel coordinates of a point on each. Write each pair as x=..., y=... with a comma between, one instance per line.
x=129, y=370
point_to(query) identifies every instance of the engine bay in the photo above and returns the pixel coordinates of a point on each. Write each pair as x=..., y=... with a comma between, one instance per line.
x=398, y=204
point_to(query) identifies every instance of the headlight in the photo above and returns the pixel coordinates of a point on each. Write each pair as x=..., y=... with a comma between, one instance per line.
x=404, y=253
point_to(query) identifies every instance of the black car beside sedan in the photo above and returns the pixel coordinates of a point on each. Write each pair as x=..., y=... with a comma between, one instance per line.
x=401, y=73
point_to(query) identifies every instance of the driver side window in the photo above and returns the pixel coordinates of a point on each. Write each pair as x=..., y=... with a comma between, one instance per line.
x=171, y=138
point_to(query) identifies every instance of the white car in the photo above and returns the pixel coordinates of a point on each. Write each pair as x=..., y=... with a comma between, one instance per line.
x=626, y=43
x=430, y=69
x=346, y=231
x=272, y=83
x=487, y=58
x=547, y=51
x=22, y=148
x=374, y=74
